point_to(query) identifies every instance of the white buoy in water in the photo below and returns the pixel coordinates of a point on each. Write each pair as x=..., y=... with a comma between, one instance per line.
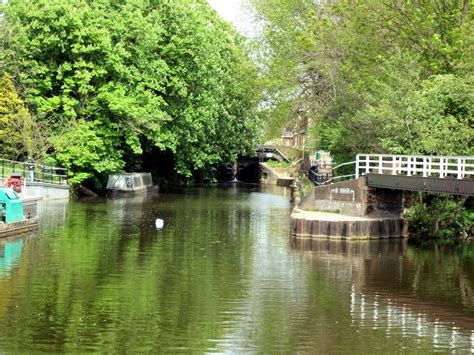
x=159, y=223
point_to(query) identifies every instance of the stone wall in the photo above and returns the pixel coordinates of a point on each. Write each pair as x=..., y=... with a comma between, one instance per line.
x=267, y=175
x=354, y=198
x=276, y=176
x=383, y=202
x=30, y=206
x=46, y=191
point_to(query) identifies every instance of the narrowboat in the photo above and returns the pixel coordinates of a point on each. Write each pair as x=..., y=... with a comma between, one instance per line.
x=14, y=218
x=130, y=184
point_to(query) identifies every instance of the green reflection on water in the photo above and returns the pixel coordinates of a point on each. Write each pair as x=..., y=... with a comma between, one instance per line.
x=223, y=275
x=10, y=254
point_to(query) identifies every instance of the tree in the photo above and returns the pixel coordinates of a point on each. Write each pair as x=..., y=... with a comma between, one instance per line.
x=141, y=76
x=16, y=125
x=437, y=118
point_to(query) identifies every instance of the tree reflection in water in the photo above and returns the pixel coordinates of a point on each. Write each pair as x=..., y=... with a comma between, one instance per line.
x=427, y=293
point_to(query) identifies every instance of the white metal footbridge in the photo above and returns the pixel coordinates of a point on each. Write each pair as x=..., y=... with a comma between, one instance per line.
x=440, y=174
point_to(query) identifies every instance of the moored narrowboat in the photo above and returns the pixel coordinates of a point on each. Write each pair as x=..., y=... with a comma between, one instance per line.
x=129, y=184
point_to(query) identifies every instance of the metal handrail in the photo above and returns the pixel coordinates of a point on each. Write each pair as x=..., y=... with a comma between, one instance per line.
x=275, y=149
x=295, y=162
x=350, y=176
x=324, y=177
x=343, y=164
x=41, y=172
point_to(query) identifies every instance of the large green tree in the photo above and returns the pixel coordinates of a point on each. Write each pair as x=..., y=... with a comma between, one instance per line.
x=362, y=71
x=115, y=79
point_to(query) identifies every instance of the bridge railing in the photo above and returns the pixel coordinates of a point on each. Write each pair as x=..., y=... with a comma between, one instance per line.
x=263, y=149
x=414, y=165
x=341, y=172
x=41, y=172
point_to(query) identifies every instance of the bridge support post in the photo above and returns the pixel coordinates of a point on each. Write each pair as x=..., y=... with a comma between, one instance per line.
x=357, y=172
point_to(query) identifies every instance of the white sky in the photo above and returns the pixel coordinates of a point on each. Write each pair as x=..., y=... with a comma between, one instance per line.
x=235, y=12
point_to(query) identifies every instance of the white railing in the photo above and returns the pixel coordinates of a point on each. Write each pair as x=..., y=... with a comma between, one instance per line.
x=34, y=172
x=415, y=165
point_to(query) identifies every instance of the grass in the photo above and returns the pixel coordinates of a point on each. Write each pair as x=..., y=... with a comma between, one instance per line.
x=277, y=164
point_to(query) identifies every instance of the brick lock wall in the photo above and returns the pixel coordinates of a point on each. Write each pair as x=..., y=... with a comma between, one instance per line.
x=383, y=202
x=366, y=201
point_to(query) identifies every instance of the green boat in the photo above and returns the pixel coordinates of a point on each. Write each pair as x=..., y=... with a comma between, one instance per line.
x=13, y=217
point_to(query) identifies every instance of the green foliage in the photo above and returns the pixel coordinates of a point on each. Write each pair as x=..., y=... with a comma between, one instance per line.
x=169, y=75
x=278, y=164
x=440, y=217
x=439, y=117
x=15, y=123
x=419, y=220
x=402, y=118
x=372, y=76
x=85, y=149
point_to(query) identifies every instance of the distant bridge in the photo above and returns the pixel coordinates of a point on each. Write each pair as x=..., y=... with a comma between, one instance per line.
x=268, y=152
x=437, y=174
x=250, y=168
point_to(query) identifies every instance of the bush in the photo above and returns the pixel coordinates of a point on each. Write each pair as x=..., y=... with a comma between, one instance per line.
x=444, y=218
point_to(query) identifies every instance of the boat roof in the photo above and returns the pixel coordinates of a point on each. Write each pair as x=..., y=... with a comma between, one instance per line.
x=129, y=181
x=129, y=174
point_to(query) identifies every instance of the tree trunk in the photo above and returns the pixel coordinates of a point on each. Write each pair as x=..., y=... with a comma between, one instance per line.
x=437, y=216
x=87, y=192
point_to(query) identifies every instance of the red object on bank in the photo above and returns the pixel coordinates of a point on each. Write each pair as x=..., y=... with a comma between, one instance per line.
x=15, y=181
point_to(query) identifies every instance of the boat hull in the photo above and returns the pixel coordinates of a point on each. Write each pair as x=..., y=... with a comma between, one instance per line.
x=10, y=229
x=127, y=193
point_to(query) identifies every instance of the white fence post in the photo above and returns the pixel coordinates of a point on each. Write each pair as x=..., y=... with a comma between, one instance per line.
x=357, y=166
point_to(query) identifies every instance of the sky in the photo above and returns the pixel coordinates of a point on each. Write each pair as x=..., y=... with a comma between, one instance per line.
x=235, y=12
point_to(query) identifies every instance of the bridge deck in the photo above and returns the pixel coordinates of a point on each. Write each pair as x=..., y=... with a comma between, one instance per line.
x=453, y=186
x=437, y=174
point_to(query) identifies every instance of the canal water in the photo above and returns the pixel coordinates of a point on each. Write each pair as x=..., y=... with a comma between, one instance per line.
x=223, y=275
